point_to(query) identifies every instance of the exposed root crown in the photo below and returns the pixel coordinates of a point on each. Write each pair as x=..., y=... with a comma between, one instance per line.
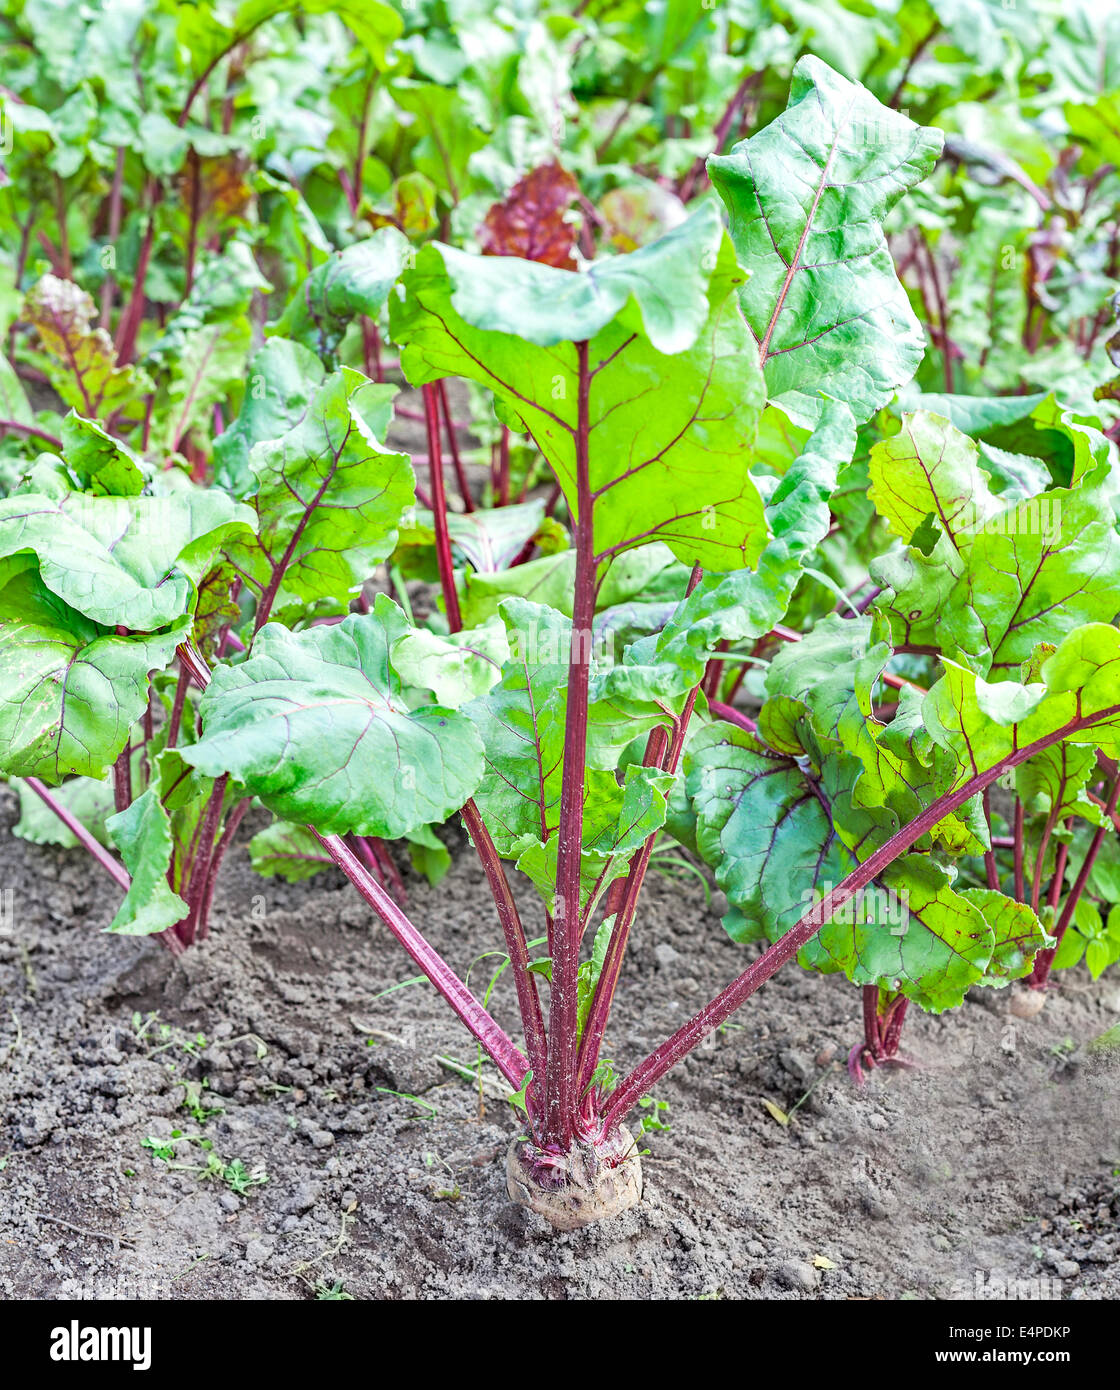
x=592, y=1182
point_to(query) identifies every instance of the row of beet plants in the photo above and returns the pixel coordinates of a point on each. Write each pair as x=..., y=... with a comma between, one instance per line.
x=915, y=791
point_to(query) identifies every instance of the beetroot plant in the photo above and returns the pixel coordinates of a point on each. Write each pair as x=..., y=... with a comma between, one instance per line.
x=923, y=793
x=694, y=399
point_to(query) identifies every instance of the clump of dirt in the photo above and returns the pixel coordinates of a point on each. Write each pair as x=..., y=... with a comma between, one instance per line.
x=282, y=1109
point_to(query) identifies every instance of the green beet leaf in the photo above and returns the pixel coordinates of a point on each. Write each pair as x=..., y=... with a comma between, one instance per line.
x=923, y=939
x=1019, y=935
x=999, y=577
x=807, y=197
x=352, y=282
x=282, y=381
x=1053, y=782
x=1077, y=697
x=764, y=827
x=143, y=835
x=456, y=668
x=90, y=801
x=674, y=396
x=70, y=691
x=746, y=603
x=99, y=462
x=521, y=722
x=316, y=726
x=133, y=562
x=782, y=832
x=82, y=363
x=328, y=499
x=205, y=34
x=288, y=851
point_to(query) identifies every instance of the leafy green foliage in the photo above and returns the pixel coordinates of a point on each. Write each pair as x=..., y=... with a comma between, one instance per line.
x=808, y=196
x=143, y=834
x=133, y=562
x=314, y=725
x=327, y=498
x=354, y=281
x=71, y=689
x=658, y=321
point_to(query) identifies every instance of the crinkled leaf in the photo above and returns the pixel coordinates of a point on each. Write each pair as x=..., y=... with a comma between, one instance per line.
x=930, y=467
x=807, y=197
x=763, y=827
x=833, y=671
x=216, y=608
x=288, y=851
x=283, y=378
x=70, y=691
x=128, y=561
x=456, y=668
x=100, y=463
x=88, y=799
x=314, y=724
x=1019, y=935
x=941, y=946
x=1045, y=567
x=530, y=221
x=780, y=836
x=354, y=281
x=1052, y=783
x=982, y=723
x=999, y=577
x=83, y=363
x=142, y=833
x=676, y=473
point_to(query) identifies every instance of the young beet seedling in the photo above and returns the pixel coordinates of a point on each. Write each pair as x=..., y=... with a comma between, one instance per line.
x=643, y=381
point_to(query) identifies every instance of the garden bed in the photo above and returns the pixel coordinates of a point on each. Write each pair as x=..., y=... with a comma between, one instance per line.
x=995, y=1162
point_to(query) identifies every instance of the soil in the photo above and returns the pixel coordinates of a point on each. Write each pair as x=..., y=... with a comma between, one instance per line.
x=994, y=1163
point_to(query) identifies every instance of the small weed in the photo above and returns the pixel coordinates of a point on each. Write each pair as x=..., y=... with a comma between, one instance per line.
x=332, y=1293
x=404, y=1095
x=650, y=1123
x=192, y=1102
x=233, y=1173
x=443, y=1194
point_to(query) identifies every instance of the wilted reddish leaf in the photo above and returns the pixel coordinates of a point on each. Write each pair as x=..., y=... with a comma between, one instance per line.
x=216, y=188
x=530, y=222
x=217, y=607
x=413, y=201
x=83, y=367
